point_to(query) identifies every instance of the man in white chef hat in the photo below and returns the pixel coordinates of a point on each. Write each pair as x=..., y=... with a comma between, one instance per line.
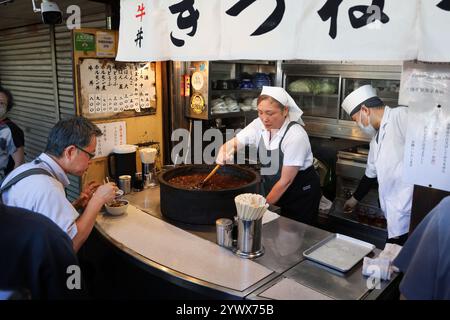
x=387, y=127
x=284, y=151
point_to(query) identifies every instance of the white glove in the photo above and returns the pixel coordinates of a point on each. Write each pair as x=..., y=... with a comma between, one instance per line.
x=350, y=204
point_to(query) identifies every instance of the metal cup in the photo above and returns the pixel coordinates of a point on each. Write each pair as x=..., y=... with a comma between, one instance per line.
x=249, y=242
x=147, y=168
x=147, y=179
x=153, y=179
x=138, y=182
x=125, y=183
x=224, y=230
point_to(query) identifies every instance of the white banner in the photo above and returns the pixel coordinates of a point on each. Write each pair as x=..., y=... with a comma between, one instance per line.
x=434, y=31
x=284, y=29
x=425, y=88
x=153, y=30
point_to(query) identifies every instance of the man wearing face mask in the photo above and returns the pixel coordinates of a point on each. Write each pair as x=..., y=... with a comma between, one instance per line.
x=387, y=126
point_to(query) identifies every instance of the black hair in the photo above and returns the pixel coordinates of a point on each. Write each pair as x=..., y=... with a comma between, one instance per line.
x=374, y=102
x=272, y=100
x=73, y=131
x=9, y=97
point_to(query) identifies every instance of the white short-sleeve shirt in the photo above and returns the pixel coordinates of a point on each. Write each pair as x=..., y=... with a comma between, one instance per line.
x=43, y=194
x=295, y=145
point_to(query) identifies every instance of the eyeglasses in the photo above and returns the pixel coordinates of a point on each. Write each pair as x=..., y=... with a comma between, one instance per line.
x=91, y=155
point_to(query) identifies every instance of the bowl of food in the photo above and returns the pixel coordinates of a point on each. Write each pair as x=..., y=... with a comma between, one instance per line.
x=117, y=207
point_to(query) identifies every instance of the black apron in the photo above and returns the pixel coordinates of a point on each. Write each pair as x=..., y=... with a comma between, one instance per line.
x=301, y=200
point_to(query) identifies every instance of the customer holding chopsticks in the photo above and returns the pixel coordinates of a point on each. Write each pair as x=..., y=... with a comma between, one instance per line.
x=70, y=147
x=284, y=151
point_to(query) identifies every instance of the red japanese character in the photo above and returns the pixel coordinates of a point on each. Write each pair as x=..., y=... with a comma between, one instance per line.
x=141, y=10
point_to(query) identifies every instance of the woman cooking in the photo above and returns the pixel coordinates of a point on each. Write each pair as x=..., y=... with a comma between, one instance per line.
x=284, y=151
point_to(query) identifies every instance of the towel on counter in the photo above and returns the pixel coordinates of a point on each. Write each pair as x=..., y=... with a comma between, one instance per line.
x=378, y=267
x=325, y=205
x=269, y=216
x=382, y=265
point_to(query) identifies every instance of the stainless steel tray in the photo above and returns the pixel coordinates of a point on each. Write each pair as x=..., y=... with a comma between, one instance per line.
x=339, y=252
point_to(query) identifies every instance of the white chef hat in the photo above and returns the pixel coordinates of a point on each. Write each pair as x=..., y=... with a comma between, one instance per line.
x=286, y=100
x=365, y=95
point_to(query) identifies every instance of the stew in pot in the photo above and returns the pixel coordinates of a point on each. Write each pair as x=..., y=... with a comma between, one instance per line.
x=217, y=182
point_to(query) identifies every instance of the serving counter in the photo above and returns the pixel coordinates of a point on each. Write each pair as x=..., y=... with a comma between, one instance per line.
x=188, y=257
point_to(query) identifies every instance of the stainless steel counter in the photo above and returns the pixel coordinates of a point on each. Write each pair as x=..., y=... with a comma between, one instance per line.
x=285, y=274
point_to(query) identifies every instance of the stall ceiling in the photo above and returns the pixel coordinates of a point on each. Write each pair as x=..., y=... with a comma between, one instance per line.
x=20, y=12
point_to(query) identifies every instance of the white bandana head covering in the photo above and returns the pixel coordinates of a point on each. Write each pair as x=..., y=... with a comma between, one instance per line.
x=286, y=100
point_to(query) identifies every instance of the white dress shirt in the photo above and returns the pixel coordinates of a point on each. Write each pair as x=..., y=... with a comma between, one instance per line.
x=43, y=194
x=385, y=162
x=295, y=145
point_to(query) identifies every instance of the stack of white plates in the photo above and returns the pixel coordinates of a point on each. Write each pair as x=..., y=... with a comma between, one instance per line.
x=245, y=107
x=255, y=104
x=218, y=106
x=232, y=104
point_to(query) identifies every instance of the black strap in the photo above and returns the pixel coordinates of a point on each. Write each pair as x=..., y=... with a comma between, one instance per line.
x=287, y=129
x=22, y=175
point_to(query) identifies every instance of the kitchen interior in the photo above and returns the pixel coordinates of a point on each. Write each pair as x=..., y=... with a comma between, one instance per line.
x=276, y=250
x=339, y=147
x=151, y=250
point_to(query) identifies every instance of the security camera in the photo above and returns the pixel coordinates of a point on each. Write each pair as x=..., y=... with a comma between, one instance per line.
x=50, y=12
x=5, y=2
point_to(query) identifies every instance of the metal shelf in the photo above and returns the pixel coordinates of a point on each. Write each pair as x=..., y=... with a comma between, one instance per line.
x=234, y=114
x=262, y=62
x=305, y=94
x=235, y=91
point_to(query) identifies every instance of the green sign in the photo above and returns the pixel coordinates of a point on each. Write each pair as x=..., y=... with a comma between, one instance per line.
x=84, y=42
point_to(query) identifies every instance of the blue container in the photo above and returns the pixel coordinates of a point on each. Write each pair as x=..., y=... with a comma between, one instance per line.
x=246, y=84
x=261, y=79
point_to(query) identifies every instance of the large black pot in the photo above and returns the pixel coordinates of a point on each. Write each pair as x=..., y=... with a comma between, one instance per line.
x=203, y=206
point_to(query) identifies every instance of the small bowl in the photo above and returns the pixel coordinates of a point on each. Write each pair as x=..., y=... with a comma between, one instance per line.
x=117, y=210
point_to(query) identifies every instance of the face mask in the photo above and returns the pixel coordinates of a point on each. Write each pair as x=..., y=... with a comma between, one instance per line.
x=2, y=110
x=369, y=130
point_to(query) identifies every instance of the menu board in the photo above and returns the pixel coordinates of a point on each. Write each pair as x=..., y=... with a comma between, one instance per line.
x=111, y=89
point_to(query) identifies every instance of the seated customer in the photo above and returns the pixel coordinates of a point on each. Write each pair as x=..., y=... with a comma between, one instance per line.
x=425, y=258
x=70, y=147
x=35, y=255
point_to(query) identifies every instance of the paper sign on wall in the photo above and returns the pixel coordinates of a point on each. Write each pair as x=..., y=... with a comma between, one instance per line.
x=111, y=89
x=106, y=44
x=114, y=134
x=425, y=88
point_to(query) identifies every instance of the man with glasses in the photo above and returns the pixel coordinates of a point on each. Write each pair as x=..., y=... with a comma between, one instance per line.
x=70, y=147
